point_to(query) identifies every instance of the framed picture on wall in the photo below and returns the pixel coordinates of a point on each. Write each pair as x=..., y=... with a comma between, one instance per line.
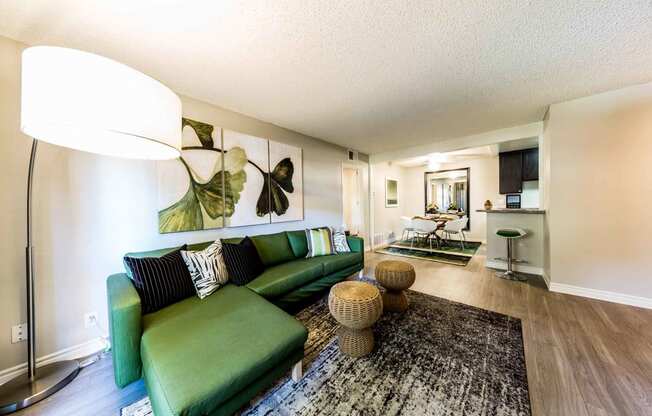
x=391, y=193
x=228, y=179
x=251, y=203
x=285, y=182
x=190, y=187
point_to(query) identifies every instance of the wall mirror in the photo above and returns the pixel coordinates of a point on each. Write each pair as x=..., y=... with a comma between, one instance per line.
x=448, y=193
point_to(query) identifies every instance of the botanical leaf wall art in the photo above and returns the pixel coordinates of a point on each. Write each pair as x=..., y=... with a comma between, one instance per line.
x=256, y=149
x=223, y=178
x=286, y=179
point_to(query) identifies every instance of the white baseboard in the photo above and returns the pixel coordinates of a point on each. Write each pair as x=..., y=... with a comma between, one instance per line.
x=615, y=297
x=77, y=351
x=546, y=279
x=524, y=268
x=383, y=244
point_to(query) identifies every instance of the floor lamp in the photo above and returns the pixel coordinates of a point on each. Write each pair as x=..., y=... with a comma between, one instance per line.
x=90, y=103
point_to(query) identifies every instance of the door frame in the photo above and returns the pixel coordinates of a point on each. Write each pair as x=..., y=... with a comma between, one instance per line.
x=364, y=187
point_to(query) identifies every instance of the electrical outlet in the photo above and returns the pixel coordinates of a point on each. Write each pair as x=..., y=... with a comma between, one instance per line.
x=90, y=319
x=18, y=333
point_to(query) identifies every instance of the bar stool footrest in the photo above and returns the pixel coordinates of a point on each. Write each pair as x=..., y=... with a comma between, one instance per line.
x=516, y=261
x=517, y=277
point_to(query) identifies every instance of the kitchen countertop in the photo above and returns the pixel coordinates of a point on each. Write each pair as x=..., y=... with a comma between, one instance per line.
x=513, y=211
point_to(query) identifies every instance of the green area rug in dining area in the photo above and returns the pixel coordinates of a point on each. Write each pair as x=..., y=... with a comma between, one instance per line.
x=449, y=252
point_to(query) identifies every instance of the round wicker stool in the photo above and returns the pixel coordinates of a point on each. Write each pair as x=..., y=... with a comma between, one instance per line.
x=356, y=306
x=395, y=277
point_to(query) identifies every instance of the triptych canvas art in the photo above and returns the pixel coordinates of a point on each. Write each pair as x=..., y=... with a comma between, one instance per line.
x=229, y=179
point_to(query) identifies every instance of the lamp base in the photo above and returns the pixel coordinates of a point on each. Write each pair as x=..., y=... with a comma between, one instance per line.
x=20, y=392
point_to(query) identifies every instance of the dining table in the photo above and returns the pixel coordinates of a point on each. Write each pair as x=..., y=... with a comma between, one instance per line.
x=441, y=223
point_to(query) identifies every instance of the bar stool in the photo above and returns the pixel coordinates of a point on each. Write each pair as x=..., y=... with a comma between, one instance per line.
x=511, y=234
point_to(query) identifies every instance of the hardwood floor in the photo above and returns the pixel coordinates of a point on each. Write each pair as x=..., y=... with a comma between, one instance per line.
x=584, y=357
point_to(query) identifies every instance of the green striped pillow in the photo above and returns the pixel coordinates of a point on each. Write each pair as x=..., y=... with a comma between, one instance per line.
x=320, y=242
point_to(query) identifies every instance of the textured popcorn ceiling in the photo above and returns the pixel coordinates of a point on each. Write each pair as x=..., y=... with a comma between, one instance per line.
x=372, y=75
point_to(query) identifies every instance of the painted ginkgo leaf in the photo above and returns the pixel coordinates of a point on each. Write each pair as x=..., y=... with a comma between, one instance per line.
x=204, y=131
x=262, y=205
x=210, y=195
x=272, y=198
x=183, y=215
x=234, y=185
x=282, y=174
x=217, y=196
x=235, y=160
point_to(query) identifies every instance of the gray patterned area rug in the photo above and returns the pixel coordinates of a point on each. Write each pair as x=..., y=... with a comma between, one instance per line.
x=438, y=358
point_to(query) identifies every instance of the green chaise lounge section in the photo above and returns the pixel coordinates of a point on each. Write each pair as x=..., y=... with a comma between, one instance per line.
x=230, y=340
x=211, y=356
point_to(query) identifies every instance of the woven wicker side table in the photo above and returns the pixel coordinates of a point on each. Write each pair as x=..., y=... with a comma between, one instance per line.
x=395, y=276
x=356, y=306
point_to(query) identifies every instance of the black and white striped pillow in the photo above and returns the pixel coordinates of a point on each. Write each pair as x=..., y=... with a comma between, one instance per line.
x=242, y=261
x=160, y=281
x=207, y=268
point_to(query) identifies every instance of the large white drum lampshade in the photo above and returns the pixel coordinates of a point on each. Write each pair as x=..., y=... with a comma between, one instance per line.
x=90, y=103
x=87, y=102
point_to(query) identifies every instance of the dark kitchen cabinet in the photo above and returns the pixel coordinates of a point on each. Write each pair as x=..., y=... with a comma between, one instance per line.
x=511, y=172
x=531, y=165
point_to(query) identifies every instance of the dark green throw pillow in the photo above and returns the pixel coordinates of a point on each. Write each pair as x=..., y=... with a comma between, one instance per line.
x=242, y=261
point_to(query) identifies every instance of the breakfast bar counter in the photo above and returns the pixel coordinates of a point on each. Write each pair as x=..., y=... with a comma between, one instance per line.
x=513, y=211
x=528, y=248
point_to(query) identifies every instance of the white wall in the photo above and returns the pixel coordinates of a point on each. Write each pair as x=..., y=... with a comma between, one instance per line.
x=530, y=195
x=598, y=149
x=483, y=186
x=387, y=221
x=89, y=210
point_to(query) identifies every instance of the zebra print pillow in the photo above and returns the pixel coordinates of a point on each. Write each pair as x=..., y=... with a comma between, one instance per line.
x=339, y=241
x=207, y=268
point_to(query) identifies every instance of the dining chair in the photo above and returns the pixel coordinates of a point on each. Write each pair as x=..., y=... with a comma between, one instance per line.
x=424, y=229
x=408, y=227
x=456, y=227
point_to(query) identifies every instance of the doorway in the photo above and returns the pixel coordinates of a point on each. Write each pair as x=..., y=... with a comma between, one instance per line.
x=355, y=185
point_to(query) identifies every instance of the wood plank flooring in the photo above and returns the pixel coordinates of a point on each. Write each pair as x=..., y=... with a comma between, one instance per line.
x=584, y=357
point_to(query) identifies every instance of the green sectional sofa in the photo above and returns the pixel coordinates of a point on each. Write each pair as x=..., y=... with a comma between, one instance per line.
x=211, y=356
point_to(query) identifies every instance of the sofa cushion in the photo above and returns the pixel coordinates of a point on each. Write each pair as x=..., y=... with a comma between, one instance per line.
x=161, y=252
x=199, y=353
x=199, y=246
x=160, y=281
x=242, y=261
x=273, y=248
x=207, y=268
x=233, y=240
x=320, y=242
x=294, y=301
x=341, y=261
x=144, y=254
x=340, y=243
x=283, y=278
x=299, y=243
